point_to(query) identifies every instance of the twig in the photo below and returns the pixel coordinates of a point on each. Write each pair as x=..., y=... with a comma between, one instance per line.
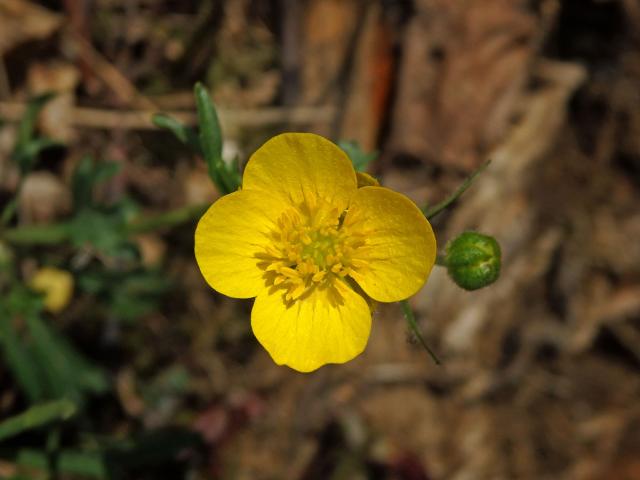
x=82, y=117
x=5, y=86
x=110, y=75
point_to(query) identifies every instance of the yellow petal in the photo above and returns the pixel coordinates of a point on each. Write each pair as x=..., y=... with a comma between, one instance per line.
x=400, y=247
x=328, y=325
x=228, y=237
x=297, y=166
x=366, y=180
x=56, y=285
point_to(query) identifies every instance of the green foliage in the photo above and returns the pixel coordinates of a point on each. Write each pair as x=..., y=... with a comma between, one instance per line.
x=43, y=363
x=225, y=178
x=37, y=416
x=85, y=464
x=359, y=158
x=28, y=146
x=182, y=132
x=126, y=294
x=53, y=376
x=87, y=175
x=207, y=142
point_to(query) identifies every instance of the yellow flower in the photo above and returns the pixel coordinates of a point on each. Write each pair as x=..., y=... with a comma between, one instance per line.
x=56, y=285
x=311, y=247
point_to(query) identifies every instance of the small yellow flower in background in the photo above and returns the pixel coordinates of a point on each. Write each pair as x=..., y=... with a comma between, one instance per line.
x=56, y=285
x=310, y=245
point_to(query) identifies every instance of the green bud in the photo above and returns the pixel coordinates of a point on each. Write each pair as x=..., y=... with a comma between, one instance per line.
x=473, y=260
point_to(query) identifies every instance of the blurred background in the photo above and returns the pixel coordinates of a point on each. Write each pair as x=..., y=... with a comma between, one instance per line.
x=133, y=368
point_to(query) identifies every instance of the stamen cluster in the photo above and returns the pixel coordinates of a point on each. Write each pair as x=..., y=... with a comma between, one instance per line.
x=312, y=246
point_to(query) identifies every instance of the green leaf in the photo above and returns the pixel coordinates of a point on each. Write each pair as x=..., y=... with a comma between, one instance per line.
x=65, y=371
x=211, y=141
x=38, y=234
x=127, y=295
x=22, y=365
x=26, y=155
x=23, y=153
x=68, y=462
x=27, y=128
x=87, y=176
x=37, y=416
x=182, y=132
x=359, y=158
x=103, y=231
x=153, y=448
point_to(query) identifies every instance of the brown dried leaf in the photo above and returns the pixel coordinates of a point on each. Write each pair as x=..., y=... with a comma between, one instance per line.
x=55, y=119
x=464, y=67
x=21, y=21
x=43, y=198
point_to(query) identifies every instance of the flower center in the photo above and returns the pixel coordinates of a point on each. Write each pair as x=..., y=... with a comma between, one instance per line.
x=311, y=247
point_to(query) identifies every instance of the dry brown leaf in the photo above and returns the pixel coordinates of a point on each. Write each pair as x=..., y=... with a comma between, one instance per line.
x=55, y=119
x=22, y=21
x=464, y=67
x=43, y=198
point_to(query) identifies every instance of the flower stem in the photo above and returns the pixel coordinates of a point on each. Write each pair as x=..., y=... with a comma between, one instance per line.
x=58, y=233
x=168, y=219
x=436, y=209
x=413, y=326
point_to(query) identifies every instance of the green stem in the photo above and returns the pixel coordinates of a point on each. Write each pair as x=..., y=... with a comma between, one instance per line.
x=10, y=209
x=436, y=209
x=37, y=234
x=168, y=219
x=57, y=233
x=37, y=416
x=413, y=326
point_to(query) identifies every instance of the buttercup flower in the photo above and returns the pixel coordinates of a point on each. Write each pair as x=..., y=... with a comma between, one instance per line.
x=56, y=285
x=311, y=246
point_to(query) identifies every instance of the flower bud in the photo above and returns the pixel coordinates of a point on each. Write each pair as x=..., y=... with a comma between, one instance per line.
x=473, y=260
x=56, y=285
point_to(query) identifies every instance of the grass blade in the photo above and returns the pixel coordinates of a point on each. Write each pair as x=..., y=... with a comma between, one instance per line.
x=37, y=416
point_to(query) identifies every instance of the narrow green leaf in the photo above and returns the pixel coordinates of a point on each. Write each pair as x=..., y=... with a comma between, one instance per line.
x=68, y=462
x=27, y=154
x=22, y=365
x=182, y=132
x=59, y=381
x=37, y=234
x=65, y=371
x=211, y=141
x=37, y=416
x=27, y=127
